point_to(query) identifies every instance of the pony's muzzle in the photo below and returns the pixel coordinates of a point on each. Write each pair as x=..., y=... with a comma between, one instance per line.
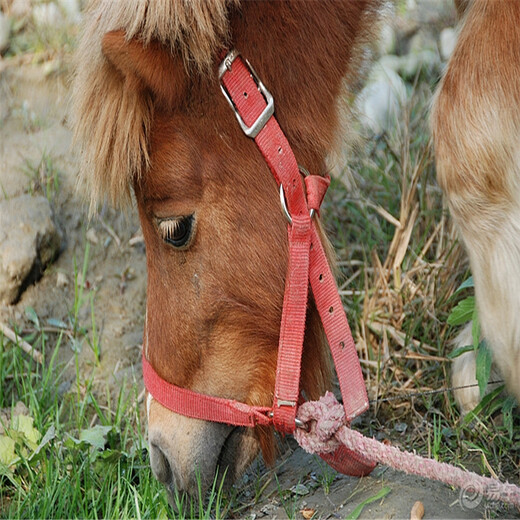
x=187, y=455
x=160, y=465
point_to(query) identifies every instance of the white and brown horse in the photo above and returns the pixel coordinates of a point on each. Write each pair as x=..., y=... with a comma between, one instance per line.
x=150, y=117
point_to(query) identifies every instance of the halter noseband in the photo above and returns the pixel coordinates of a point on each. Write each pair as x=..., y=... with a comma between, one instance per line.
x=253, y=106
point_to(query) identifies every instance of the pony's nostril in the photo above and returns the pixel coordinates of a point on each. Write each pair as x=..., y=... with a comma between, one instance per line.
x=160, y=465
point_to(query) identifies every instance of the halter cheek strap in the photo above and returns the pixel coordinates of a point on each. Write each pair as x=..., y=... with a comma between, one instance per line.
x=253, y=106
x=250, y=100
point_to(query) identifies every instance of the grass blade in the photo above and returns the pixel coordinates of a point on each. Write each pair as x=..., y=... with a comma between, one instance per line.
x=378, y=496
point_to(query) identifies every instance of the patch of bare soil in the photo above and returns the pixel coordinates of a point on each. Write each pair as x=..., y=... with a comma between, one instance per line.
x=302, y=485
x=35, y=144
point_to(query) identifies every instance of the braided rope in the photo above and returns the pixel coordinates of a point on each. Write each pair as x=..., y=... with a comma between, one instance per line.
x=328, y=429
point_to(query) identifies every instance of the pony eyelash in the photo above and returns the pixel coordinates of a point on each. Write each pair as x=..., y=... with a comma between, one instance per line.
x=177, y=231
x=168, y=228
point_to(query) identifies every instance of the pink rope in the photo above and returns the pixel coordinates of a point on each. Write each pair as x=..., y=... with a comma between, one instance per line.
x=328, y=429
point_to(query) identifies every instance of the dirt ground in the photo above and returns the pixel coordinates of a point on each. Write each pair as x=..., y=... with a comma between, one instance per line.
x=34, y=124
x=116, y=269
x=345, y=494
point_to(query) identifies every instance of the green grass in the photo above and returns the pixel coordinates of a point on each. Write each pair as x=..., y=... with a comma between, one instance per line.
x=326, y=476
x=78, y=454
x=93, y=461
x=43, y=177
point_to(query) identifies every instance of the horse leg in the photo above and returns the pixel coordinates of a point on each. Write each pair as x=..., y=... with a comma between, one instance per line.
x=476, y=129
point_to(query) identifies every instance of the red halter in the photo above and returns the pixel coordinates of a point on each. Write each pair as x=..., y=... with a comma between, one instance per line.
x=253, y=106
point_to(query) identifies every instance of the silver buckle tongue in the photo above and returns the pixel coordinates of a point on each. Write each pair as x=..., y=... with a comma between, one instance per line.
x=253, y=130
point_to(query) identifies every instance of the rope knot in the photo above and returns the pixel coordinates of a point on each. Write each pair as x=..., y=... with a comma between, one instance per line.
x=324, y=417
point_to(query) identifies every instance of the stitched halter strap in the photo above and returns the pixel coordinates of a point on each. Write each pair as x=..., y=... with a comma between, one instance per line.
x=254, y=108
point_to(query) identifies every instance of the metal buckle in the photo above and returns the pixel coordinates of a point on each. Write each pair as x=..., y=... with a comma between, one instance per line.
x=253, y=130
x=283, y=202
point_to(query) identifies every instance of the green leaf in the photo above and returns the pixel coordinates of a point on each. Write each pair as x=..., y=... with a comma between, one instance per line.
x=7, y=454
x=465, y=285
x=95, y=436
x=112, y=455
x=59, y=324
x=463, y=311
x=475, y=329
x=378, y=496
x=32, y=316
x=483, y=361
x=71, y=442
x=484, y=403
x=162, y=513
x=24, y=424
x=49, y=435
x=456, y=352
x=507, y=411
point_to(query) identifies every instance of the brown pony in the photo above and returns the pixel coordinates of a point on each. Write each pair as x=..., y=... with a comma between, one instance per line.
x=476, y=129
x=150, y=117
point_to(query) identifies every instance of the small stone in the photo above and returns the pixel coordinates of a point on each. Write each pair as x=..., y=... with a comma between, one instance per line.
x=91, y=236
x=62, y=280
x=71, y=9
x=391, y=62
x=401, y=427
x=417, y=512
x=47, y=15
x=424, y=61
x=20, y=409
x=447, y=41
x=381, y=102
x=5, y=32
x=387, y=40
x=29, y=241
x=421, y=41
x=300, y=489
x=20, y=8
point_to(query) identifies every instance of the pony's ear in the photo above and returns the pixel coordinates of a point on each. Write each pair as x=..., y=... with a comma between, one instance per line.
x=149, y=66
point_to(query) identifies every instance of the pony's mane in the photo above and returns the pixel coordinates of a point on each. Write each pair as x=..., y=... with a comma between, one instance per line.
x=110, y=122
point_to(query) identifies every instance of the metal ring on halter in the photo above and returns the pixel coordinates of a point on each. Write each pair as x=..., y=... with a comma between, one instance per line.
x=297, y=422
x=283, y=202
x=300, y=424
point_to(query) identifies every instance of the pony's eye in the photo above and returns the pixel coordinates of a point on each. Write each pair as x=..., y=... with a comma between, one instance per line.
x=176, y=231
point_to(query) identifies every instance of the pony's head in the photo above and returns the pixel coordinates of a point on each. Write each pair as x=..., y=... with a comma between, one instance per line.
x=150, y=116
